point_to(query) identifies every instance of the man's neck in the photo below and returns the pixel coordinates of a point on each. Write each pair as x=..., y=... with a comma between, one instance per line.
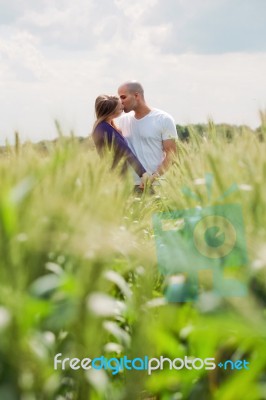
x=142, y=111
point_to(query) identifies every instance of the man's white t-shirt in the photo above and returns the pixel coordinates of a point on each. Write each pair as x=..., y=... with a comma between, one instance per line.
x=145, y=137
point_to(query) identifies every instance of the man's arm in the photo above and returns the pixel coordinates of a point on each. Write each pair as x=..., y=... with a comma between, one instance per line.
x=169, y=147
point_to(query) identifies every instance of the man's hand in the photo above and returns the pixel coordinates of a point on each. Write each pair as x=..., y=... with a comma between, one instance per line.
x=144, y=179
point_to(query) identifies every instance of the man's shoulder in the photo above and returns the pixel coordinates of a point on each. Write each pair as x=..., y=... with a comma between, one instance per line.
x=166, y=123
x=156, y=112
x=163, y=118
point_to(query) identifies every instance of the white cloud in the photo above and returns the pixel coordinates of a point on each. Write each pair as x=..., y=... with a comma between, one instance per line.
x=21, y=57
x=135, y=9
x=57, y=56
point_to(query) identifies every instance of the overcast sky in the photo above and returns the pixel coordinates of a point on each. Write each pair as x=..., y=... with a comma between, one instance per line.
x=195, y=58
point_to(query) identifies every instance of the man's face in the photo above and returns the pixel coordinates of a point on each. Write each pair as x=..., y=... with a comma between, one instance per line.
x=129, y=100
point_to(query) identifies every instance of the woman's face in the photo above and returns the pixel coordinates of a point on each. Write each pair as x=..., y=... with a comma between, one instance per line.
x=118, y=111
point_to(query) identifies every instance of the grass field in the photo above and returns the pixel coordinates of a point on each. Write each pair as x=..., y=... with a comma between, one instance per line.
x=79, y=274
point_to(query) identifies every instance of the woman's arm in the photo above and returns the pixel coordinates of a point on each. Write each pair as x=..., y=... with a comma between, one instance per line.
x=122, y=150
x=105, y=134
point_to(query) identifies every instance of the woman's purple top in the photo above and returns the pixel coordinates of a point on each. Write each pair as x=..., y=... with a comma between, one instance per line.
x=106, y=135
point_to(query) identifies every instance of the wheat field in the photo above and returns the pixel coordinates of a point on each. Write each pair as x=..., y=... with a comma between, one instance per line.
x=79, y=273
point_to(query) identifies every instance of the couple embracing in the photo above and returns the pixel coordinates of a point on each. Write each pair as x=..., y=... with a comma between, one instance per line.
x=144, y=139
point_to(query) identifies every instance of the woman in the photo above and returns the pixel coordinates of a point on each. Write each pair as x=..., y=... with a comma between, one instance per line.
x=106, y=134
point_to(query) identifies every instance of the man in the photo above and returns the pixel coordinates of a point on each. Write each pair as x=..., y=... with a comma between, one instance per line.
x=150, y=132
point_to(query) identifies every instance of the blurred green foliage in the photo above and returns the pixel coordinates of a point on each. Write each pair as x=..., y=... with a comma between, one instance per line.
x=78, y=273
